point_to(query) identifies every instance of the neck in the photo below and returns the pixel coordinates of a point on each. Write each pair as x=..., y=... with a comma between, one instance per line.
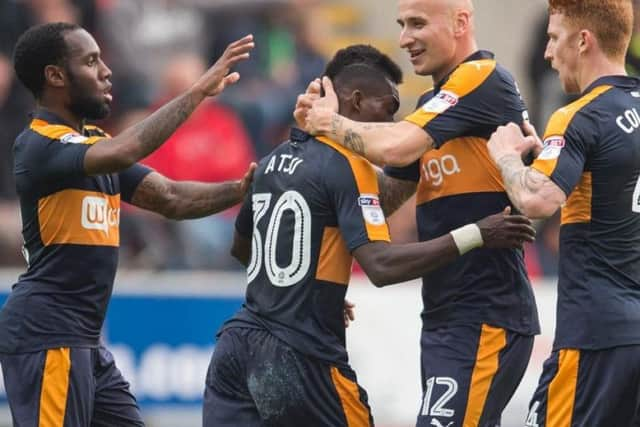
x=466, y=48
x=593, y=70
x=54, y=107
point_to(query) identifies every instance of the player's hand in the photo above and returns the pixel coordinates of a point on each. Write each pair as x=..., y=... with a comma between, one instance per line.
x=248, y=178
x=530, y=131
x=305, y=102
x=319, y=117
x=349, y=313
x=504, y=230
x=216, y=78
x=509, y=140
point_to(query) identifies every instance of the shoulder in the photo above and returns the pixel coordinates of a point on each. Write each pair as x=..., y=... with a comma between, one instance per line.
x=469, y=76
x=578, y=113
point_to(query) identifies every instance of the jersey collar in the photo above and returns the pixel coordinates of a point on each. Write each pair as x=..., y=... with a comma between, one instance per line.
x=298, y=135
x=476, y=56
x=624, y=82
x=49, y=117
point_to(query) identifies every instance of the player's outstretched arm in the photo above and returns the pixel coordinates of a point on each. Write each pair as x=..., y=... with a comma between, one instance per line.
x=135, y=143
x=391, y=144
x=186, y=199
x=386, y=263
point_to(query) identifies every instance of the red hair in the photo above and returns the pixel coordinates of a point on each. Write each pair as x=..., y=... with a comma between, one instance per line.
x=611, y=21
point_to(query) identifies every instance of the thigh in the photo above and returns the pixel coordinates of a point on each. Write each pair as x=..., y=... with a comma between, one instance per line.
x=291, y=389
x=114, y=403
x=227, y=401
x=49, y=388
x=582, y=388
x=469, y=373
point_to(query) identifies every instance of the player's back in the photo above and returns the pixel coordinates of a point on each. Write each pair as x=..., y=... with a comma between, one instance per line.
x=592, y=152
x=311, y=204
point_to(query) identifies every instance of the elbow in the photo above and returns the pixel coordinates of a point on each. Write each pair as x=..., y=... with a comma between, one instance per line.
x=393, y=155
x=378, y=273
x=536, y=208
x=123, y=159
x=170, y=208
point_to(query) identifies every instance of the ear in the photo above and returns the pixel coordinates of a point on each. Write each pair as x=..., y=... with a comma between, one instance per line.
x=356, y=101
x=55, y=76
x=586, y=41
x=461, y=22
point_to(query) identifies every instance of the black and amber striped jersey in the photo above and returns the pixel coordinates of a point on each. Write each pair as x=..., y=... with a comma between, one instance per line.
x=458, y=183
x=312, y=203
x=592, y=152
x=71, y=238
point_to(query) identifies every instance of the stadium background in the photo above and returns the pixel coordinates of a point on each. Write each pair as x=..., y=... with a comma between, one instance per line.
x=176, y=282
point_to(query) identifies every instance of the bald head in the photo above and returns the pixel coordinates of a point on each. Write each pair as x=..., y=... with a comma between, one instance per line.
x=437, y=34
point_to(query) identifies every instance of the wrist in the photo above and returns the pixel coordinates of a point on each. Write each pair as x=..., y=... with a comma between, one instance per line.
x=197, y=93
x=467, y=238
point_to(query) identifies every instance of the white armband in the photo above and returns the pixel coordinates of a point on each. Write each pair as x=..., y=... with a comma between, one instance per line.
x=467, y=237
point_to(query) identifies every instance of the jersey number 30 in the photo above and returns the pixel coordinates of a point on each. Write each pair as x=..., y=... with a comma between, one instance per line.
x=263, y=250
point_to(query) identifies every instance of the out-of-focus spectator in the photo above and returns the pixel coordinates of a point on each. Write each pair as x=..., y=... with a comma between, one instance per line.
x=212, y=145
x=139, y=38
x=287, y=59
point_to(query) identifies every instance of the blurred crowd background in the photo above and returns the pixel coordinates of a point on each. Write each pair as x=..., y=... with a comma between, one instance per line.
x=157, y=48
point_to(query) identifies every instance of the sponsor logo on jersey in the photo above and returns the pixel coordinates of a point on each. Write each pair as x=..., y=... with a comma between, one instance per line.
x=552, y=148
x=98, y=215
x=73, y=138
x=371, y=210
x=441, y=102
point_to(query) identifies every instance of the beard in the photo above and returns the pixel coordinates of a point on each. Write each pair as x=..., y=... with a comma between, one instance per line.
x=83, y=105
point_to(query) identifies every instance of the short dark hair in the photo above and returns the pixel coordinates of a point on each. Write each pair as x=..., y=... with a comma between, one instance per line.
x=38, y=47
x=363, y=61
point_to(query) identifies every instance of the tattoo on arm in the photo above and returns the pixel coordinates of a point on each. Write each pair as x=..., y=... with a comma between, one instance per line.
x=522, y=182
x=185, y=200
x=160, y=125
x=354, y=142
x=336, y=125
x=394, y=192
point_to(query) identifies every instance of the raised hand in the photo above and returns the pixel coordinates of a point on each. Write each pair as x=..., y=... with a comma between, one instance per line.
x=305, y=102
x=248, y=178
x=509, y=140
x=216, y=78
x=320, y=116
x=504, y=230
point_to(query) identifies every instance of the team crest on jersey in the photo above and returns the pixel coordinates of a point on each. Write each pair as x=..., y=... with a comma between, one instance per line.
x=552, y=148
x=73, y=138
x=441, y=102
x=371, y=210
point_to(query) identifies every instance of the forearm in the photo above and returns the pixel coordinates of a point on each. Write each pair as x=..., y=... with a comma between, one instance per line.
x=380, y=143
x=392, y=264
x=145, y=137
x=197, y=200
x=531, y=192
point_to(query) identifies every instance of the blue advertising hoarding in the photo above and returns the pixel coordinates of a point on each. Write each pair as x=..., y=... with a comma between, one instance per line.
x=162, y=335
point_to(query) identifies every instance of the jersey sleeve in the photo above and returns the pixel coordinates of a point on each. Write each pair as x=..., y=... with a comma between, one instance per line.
x=473, y=102
x=406, y=173
x=566, y=147
x=56, y=159
x=130, y=179
x=353, y=188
